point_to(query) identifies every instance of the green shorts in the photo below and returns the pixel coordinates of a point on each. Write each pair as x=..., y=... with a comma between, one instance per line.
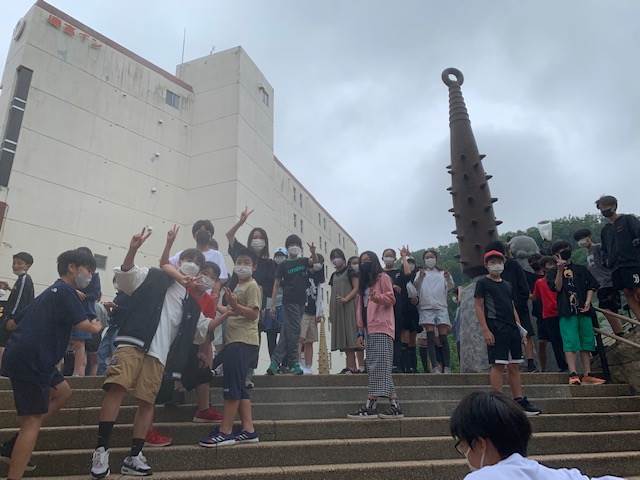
x=577, y=334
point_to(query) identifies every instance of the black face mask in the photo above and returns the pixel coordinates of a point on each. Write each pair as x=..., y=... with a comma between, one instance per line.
x=365, y=268
x=202, y=237
x=608, y=212
x=565, y=254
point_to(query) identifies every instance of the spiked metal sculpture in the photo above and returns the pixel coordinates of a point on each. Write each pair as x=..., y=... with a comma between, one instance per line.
x=476, y=224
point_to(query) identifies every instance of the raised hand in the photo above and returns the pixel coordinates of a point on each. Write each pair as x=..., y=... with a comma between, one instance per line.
x=172, y=234
x=244, y=215
x=232, y=298
x=404, y=251
x=139, y=238
x=312, y=247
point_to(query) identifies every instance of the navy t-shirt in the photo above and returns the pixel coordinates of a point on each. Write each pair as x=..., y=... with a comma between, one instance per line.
x=42, y=336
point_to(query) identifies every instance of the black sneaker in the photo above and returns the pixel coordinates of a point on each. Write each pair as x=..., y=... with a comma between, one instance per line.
x=529, y=408
x=392, y=411
x=531, y=366
x=364, y=413
x=6, y=449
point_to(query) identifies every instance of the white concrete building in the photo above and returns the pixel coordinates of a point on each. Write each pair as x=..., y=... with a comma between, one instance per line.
x=99, y=142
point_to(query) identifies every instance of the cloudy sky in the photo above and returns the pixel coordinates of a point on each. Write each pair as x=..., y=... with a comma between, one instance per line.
x=362, y=115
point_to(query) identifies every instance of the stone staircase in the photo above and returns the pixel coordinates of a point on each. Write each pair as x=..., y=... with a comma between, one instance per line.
x=305, y=435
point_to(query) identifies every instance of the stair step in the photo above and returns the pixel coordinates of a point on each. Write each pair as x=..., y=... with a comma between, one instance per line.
x=623, y=464
x=421, y=379
x=78, y=437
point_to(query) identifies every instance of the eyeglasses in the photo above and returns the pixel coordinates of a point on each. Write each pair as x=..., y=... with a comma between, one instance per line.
x=459, y=449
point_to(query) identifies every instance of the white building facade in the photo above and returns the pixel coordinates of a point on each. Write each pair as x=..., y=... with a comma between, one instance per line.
x=98, y=142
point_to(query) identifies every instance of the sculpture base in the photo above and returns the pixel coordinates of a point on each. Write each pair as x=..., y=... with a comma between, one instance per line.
x=473, y=349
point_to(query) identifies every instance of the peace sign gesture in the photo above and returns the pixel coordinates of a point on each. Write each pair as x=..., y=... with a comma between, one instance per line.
x=404, y=251
x=312, y=247
x=172, y=234
x=139, y=238
x=244, y=215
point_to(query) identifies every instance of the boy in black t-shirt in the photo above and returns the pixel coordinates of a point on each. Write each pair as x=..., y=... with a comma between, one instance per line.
x=501, y=328
x=575, y=286
x=35, y=348
x=621, y=250
x=293, y=276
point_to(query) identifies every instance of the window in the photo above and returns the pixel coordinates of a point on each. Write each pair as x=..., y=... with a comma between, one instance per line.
x=319, y=219
x=101, y=261
x=320, y=243
x=294, y=195
x=325, y=222
x=300, y=199
x=14, y=122
x=301, y=226
x=264, y=95
x=325, y=246
x=172, y=99
x=295, y=220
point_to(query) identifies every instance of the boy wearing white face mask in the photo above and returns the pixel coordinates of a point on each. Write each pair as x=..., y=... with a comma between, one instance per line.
x=240, y=353
x=493, y=434
x=158, y=309
x=500, y=325
x=293, y=276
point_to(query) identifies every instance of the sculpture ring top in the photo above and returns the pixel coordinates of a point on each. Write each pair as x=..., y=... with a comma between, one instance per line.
x=456, y=73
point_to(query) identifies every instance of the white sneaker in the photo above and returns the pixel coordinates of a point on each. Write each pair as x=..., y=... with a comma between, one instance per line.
x=136, y=466
x=307, y=370
x=100, y=464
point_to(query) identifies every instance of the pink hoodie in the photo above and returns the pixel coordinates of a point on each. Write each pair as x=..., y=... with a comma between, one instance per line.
x=380, y=316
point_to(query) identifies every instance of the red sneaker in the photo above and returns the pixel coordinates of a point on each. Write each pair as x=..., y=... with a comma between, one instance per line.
x=589, y=380
x=207, y=416
x=156, y=439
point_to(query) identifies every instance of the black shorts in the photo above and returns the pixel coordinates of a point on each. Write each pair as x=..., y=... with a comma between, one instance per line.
x=609, y=299
x=508, y=345
x=32, y=397
x=544, y=332
x=626, y=278
x=410, y=319
x=238, y=359
x=525, y=320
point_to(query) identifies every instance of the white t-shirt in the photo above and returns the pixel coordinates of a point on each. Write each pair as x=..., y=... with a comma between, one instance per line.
x=433, y=291
x=210, y=255
x=170, y=317
x=516, y=467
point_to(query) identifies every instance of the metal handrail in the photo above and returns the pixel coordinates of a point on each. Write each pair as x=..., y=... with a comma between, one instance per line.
x=622, y=318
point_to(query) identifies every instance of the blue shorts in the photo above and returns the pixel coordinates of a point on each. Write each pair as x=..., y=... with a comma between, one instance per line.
x=238, y=359
x=32, y=396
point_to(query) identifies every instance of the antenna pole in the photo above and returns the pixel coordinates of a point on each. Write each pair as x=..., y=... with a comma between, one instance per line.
x=184, y=39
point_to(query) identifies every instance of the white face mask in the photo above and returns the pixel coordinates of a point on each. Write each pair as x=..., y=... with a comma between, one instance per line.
x=412, y=267
x=205, y=282
x=189, y=269
x=496, y=268
x=242, y=271
x=388, y=261
x=430, y=262
x=294, y=251
x=471, y=467
x=279, y=259
x=584, y=243
x=258, y=244
x=82, y=280
x=317, y=267
x=338, y=262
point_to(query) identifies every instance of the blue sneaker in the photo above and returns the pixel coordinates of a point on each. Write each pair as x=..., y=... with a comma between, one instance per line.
x=247, y=437
x=218, y=439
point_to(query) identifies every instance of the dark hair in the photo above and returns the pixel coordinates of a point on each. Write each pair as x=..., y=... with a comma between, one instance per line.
x=395, y=255
x=581, y=233
x=74, y=257
x=430, y=250
x=559, y=245
x=212, y=266
x=496, y=245
x=265, y=251
x=320, y=257
x=293, y=240
x=208, y=226
x=376, y=270
x=87, y=251
x=351, y=259
x=213, y=243
x=607, y=201
x=495, y=417
x=547, y=259
x=193, y=254
x=247, y=252
x=25, y=257
x=534, y=261
x=337, y=253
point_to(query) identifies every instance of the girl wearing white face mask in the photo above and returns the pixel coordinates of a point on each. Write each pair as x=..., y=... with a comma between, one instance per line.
x=493, y=434
x=342, y=309
x=433, y=285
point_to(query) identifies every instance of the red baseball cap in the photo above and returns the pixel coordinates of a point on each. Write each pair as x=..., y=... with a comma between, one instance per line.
x=491, y=254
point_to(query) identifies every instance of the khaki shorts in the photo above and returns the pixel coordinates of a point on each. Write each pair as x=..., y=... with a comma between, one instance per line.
x=137, y=372
x=308, y=329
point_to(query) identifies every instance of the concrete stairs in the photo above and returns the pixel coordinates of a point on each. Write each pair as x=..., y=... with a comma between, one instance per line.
x=304, y=433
